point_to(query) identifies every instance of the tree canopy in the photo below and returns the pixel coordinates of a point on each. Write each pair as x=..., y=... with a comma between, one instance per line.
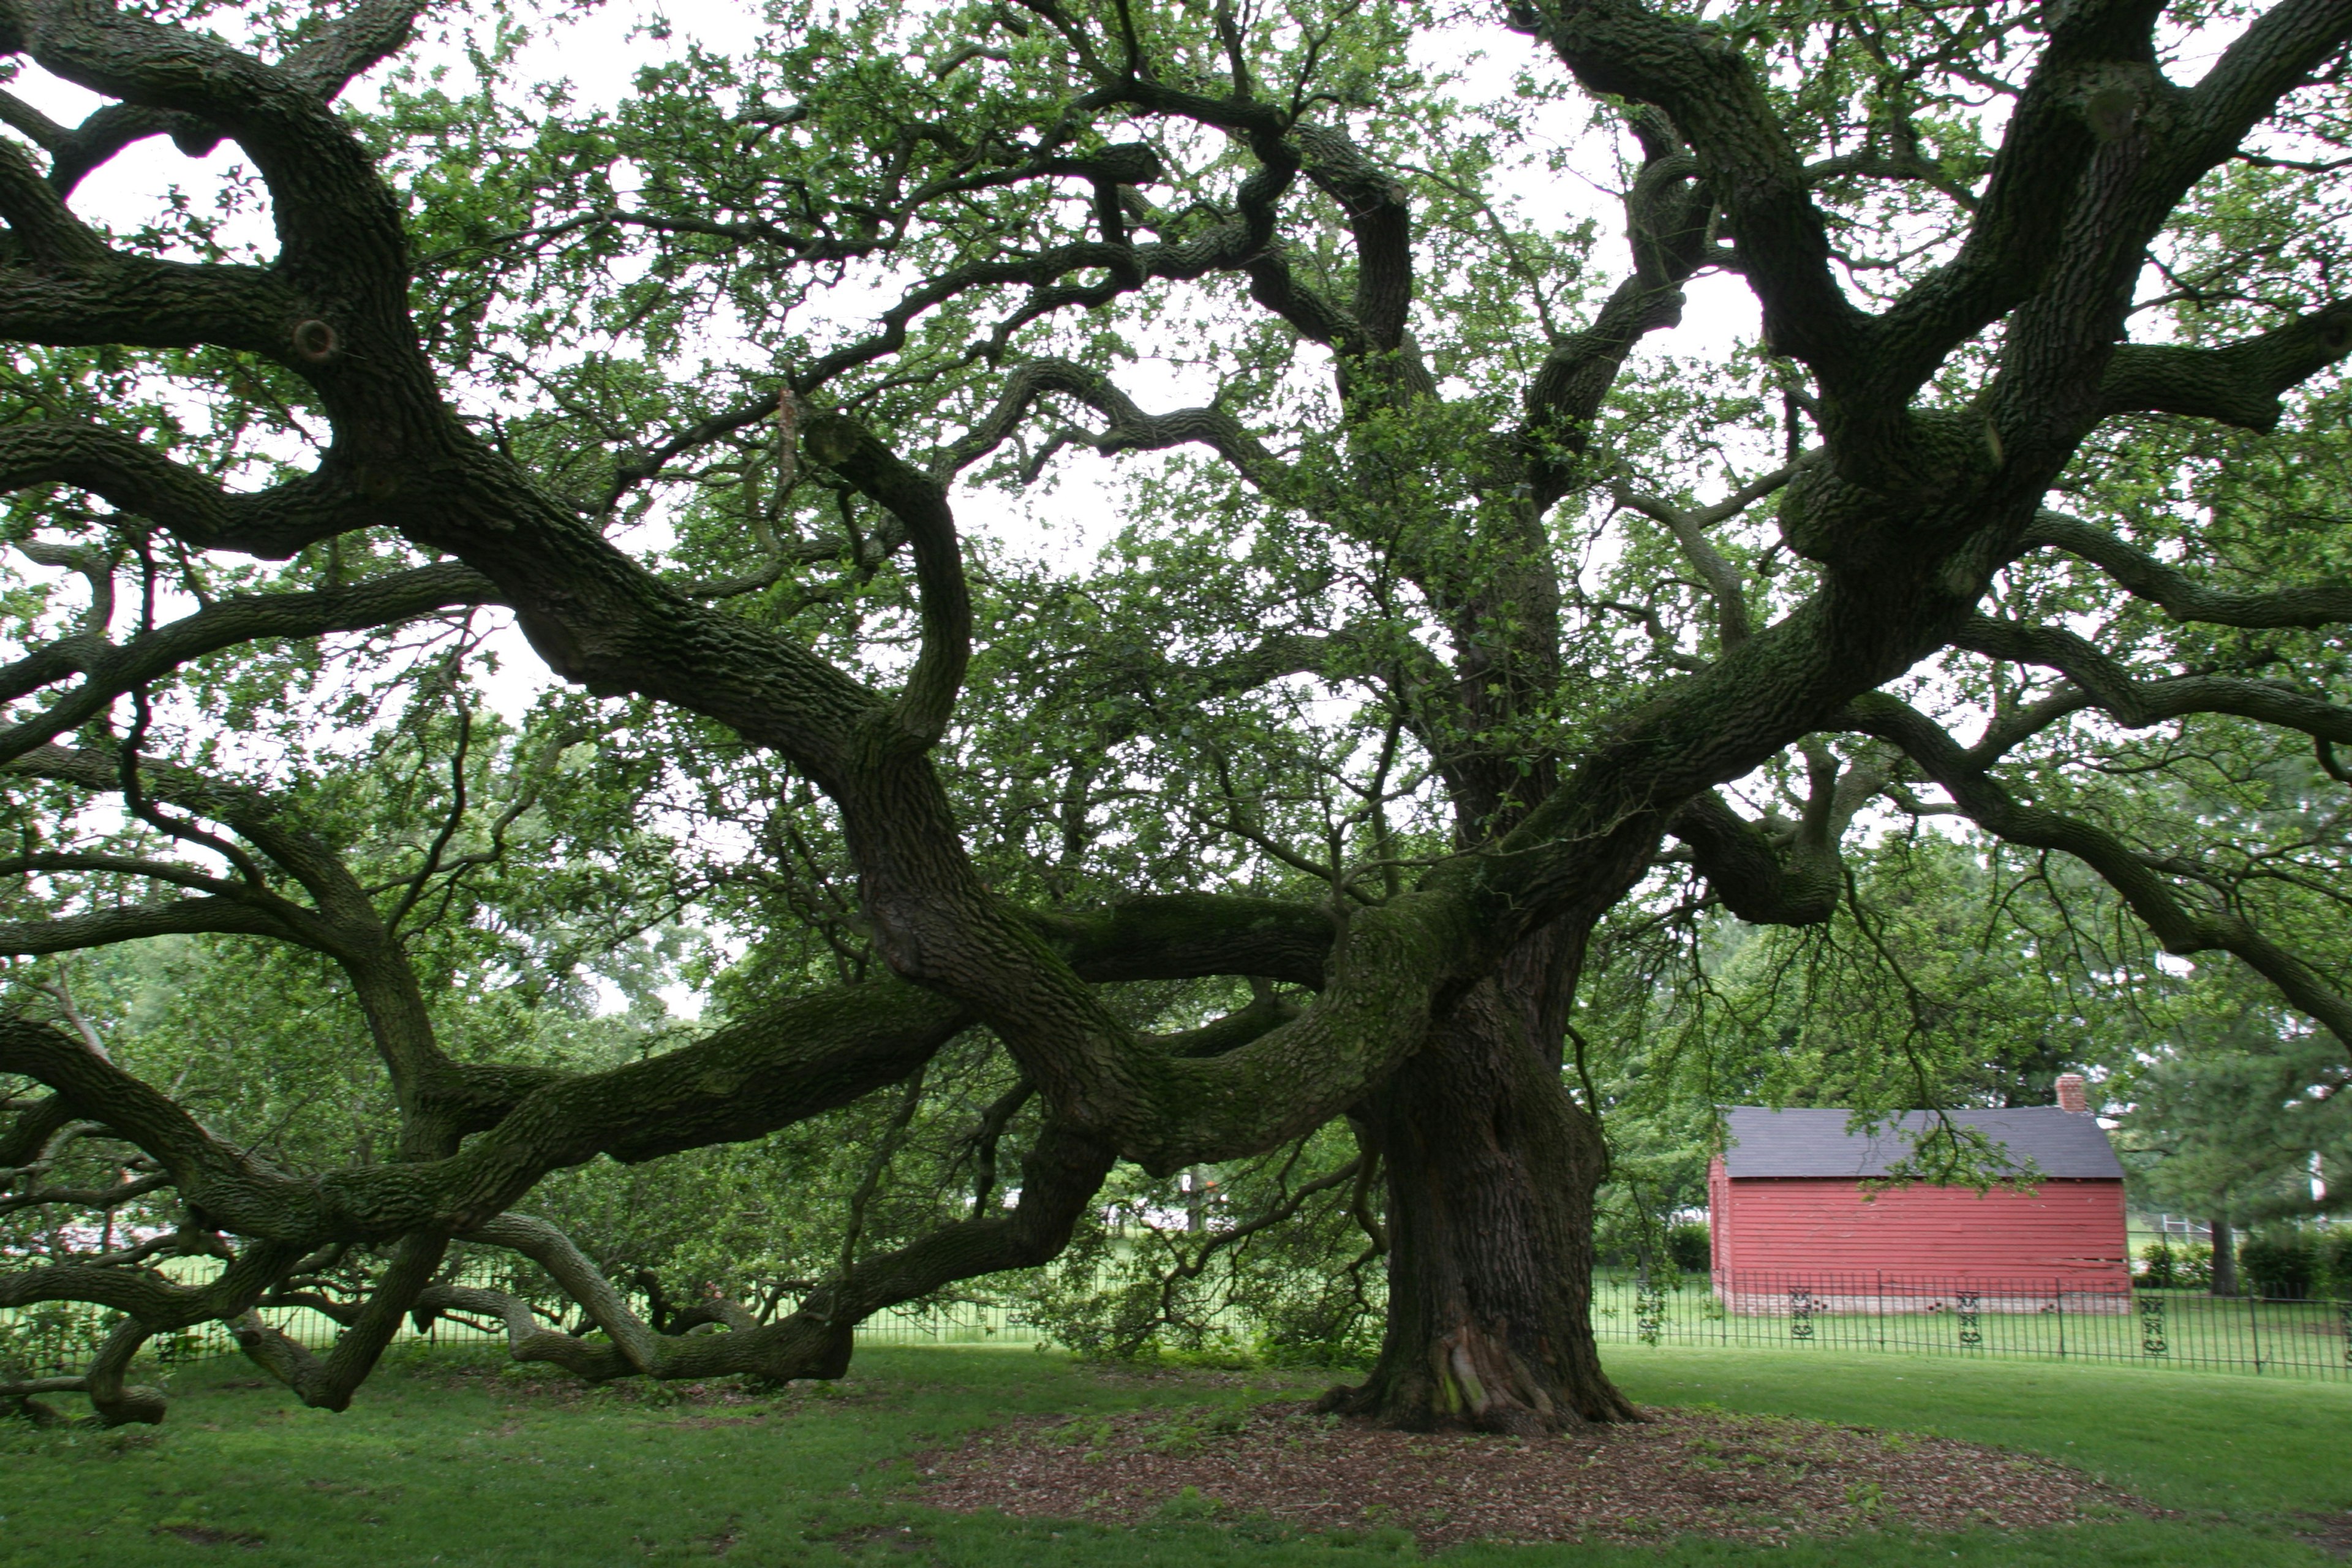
x=1469, y=664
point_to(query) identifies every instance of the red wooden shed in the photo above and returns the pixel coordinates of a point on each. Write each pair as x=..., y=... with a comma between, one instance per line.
x=1787, y=1208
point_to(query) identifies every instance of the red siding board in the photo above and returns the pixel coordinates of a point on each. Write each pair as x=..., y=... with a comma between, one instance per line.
x=2071, y=1230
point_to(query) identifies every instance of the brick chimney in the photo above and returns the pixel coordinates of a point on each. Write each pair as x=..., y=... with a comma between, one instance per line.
x=2071, y=1095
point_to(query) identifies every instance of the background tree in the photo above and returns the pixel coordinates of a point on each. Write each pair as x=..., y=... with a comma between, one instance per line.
x=2235, y=1112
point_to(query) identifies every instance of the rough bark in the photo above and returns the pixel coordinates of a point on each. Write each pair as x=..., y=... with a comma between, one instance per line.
x=1491, y=1173
x=119, y=1404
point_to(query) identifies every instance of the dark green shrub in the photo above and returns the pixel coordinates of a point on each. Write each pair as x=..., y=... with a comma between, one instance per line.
x=2281, y=1265
x=2159, y=1268
x=51, y=1339
x=2192, y=1267
x=1688, y=1247
x=2335, y=1263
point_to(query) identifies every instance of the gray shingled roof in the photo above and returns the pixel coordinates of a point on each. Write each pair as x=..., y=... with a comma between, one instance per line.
x=1764, y=1142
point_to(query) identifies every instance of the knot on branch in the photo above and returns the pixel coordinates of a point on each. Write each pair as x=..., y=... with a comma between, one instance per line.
x=2336, y=334
x=195, y=138
x=2112, y=110
x=831, y=438
x=315, y=342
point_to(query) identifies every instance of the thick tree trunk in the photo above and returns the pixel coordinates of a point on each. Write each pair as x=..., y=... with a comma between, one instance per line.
x=1491, y=1172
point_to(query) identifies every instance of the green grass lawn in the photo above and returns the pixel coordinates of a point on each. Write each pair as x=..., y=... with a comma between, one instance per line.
x=449, y=1460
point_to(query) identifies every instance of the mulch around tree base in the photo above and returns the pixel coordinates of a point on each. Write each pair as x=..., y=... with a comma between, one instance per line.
x=1680, y=1472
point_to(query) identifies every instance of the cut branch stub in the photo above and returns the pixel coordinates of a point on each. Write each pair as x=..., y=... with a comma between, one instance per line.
x=315, y=342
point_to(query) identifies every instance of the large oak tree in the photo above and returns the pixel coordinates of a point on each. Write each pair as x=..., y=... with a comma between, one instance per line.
x=694, y=389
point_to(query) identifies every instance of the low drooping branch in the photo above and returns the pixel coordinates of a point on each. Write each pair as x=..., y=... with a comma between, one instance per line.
x=2238, y=384
x=2178, y=927
x=18, y=1390
x=1690, y=527
x=2183, y=596
x=1667, y=220
x=1060, y=1176
x=1163, y=936
x=328, y=1383
x=150, y=1297
x=1789, y=877
x=118, y=1403
x=920, y=502
x=109, y=670
x=1129, y=428
x=2136, y=704
x=782, y=1065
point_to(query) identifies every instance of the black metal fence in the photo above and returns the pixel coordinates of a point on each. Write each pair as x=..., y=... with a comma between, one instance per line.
x=2056, y=1319
x=1911, y=1314
x=58, y=1339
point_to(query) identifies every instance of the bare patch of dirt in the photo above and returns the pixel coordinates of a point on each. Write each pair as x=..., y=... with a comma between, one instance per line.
x=206, y=1535
x=2330, y=1532
x=522, y=1384
x=1145, y=1374
x=895, y=1537
x=1682, y=1472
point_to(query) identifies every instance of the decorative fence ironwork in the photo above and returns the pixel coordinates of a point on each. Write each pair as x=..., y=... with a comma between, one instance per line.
x=2031, y=1317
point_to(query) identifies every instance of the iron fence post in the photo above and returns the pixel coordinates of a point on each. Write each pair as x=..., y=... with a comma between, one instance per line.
x=1649, y=1308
